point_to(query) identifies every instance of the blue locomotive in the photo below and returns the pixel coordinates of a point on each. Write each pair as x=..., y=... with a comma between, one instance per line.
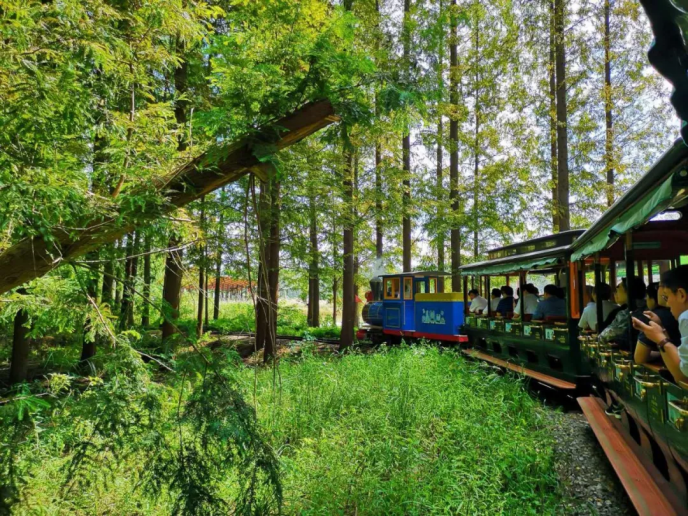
x=411, y=305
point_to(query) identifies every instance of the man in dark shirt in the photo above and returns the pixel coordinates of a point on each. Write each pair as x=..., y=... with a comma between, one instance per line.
x=506, y=304
x=552, y=305
x=646, y=350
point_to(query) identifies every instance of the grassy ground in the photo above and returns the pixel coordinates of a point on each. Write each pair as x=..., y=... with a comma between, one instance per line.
x=402, y=431
x=407, y=431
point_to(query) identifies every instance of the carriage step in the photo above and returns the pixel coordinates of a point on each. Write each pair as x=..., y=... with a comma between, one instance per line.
x=540, y=377
x=648, y=499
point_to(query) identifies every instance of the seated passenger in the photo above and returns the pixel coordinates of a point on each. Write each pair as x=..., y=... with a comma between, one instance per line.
x=478, y=303
x=552, y=305
x=674, y=294
x=646, y=350
x=617, y=331
x=506, y=304
x=496, y=297
x=588, y=320
x=530, y=300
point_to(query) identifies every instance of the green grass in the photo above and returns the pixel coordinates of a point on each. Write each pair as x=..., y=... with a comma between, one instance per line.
x=407, y=431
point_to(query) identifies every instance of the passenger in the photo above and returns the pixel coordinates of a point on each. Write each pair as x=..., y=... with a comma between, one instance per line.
x=478, y=303
x=496, y=297
x=674, y=294
x=530, y=301
x=646, y=350
x=506, y=304
x=588, y=320
x=552, y=304
x=617, y=330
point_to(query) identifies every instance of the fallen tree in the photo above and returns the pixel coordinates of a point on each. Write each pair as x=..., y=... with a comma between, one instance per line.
x=34, y=257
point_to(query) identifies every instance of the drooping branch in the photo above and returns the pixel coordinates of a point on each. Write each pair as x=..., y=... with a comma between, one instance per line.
x=32, y=258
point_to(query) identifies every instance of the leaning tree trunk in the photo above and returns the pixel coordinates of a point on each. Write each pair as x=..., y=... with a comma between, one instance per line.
x=273, y=272
x=562, y=124
x=19, y=366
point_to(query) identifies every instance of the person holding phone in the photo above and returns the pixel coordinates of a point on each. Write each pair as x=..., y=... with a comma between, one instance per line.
x=674, y=295
x=645, y=349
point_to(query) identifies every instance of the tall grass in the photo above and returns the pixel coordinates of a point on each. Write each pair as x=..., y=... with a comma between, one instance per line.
x=406, y=431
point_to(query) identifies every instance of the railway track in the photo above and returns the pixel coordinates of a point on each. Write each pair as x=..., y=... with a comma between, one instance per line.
x=279, y=337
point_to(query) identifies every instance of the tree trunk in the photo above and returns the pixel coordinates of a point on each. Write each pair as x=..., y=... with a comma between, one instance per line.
x=562, y=125
x=206, y=289
x=347, y=335
x=406, y=150
x=609, y=139
x=132, y=280
x=357, y=262
x=335, y=286
x=126, y=292
x=553, y=118
x=439, y=184
x=172, y=288
x=273, y=274
x=378, y=166
x=145, y=309
x=476, y=143
x=201, y=277
x=19, y=366
x=218, y=281
x=454, y=153
x=88, y=349
x=108, y=277
x=314, y=267
x=263, y=266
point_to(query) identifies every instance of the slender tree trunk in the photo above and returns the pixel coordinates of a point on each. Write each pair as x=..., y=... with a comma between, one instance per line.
x=378, y=164
x=335, y=287
x=439, y=183
x=454, y=153
x=218, y=282
x=562, y=124
x=88, y=349
x=132, y=280
x=476, y=144
x=406, y=150
x=314, y=267
x=357, y=263
x=609, y=139
x=120, y=270
x=263, y=266
x=108, y=277
x=273, y=273
x=145, y=308
x=19, y=366
x=347, y=334
x=172, y=288
x=553, y=117
x=128, y=278
x=173, y=264
x=206, y=289
x=201, y=277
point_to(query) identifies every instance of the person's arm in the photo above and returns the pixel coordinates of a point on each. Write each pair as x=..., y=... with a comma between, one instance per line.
x=643, y=354
x=668, y=350
x=584, y=324
x=537, y=315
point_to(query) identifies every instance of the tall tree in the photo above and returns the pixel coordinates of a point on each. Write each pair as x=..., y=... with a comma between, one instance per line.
x=145, y=308
x=551, y=69
x=273, y=269
x=454, y=149
x=202, y=283
x=406, y=145
x=562, y=116
x=348, y=302
x=609, y=130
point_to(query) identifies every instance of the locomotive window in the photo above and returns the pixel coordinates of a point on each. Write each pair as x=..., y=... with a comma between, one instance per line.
x=433, y=285
x=408, y=288
x=420, y=287
x=392, y=288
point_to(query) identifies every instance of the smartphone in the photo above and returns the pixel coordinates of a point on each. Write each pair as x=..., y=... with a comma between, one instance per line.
x=642, y=318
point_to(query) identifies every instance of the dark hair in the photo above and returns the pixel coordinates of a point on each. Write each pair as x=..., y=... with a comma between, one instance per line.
x=675, y=279
x=552, y=290
x=473, y=291
x=530, y=288
x=507, y=291
x=603, y=292
x=589, y=289
x=637, y=285
x=496, y=292
x=652, y=290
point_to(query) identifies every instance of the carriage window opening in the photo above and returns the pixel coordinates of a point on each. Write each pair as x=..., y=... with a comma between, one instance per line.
x=420, y=287
x=408, y=288
x=392, y=288
x=433, y=285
